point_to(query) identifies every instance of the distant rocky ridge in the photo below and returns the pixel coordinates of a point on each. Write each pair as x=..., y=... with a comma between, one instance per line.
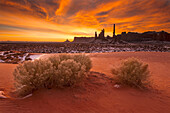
x=67, y=41
x=127, y=37
x=146, y=36
x=83, y=39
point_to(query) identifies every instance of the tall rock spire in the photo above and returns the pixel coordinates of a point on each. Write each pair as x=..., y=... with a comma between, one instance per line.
x=96, y=35
x=113, y=30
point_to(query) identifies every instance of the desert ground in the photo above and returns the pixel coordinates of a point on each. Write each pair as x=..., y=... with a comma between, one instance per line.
x=97, y=94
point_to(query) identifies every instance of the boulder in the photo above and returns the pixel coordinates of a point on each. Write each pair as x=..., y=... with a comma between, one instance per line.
x=2, y=95
x=28, y=58
x=6, y=52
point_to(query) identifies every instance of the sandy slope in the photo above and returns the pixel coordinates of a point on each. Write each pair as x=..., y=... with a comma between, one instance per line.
x=6, y=77
x=159, y=64
x=97, y=94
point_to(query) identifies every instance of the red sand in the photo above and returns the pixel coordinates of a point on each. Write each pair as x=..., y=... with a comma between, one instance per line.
x=97, y=95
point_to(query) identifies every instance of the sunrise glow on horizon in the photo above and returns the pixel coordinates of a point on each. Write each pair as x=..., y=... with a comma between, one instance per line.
x=58, y=20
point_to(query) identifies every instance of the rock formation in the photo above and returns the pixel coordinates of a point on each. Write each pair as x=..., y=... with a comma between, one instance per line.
x=67, y=41
x=129, y=37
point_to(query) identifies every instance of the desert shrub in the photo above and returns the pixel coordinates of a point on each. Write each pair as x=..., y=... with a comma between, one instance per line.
x=55, y=61
x=65, y=57
x=70, y=72
x=82, y=59
x=132, y=72
x=61, y=71
x=30, y=75
x=69, y=69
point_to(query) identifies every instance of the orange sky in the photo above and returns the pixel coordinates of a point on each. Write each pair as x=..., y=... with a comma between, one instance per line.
x=58, y=20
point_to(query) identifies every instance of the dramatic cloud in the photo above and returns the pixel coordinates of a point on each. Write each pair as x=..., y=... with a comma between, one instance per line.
x=57, y=20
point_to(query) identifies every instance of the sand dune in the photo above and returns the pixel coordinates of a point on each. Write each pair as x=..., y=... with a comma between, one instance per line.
x=97, y=94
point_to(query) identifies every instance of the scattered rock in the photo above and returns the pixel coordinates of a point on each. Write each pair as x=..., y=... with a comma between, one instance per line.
x=27, y=58
x=77, y=96
x=10, y=51
x=2, y=95
x=3, y=58
x=6, y=52
x=29, y=95
x=21, y=55
x=14, y=57
x=117, y=86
